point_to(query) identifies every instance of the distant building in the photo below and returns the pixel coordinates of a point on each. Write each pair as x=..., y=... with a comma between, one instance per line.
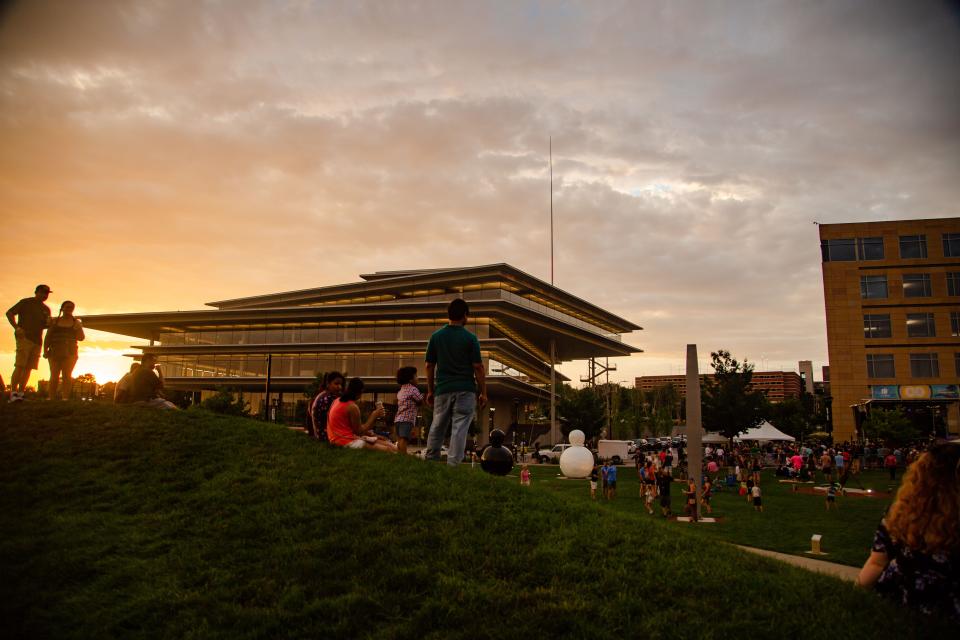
x=806, y=375
x=892, y=300
x=777, y=385
x=370, y=329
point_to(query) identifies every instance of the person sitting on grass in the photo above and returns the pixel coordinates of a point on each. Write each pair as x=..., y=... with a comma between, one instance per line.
x=345, y=428
x=320, y=406
x=915, y=557
x=146, y=385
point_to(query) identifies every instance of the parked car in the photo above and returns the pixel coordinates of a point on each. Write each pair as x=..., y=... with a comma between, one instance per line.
x=551, y=454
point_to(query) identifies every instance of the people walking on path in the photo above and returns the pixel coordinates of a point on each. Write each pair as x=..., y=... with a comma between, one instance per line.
x=29, y=318
x=664, y=481
x=60, y=349
x=456, y=383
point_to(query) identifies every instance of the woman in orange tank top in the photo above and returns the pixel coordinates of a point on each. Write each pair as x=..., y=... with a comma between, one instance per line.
x=344, y=427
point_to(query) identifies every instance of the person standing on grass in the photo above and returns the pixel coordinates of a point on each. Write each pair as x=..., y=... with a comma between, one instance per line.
x=826, y=466
x=890, y=462
x=664, y=480
x=60, y=349
x=29, y=318
x=691, y=498
x=757, y=499
x=832, y=496
x=611, y=481
x=456, y=383
x=594, y=474
x=409, y=400
x=707, y=494
x=524, y=476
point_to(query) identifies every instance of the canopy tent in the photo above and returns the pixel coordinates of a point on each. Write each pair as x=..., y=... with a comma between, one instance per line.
x=714, y=438
x=765, y=432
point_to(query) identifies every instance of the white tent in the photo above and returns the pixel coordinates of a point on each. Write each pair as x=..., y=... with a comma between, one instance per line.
x=766, y=432
x=714, y=438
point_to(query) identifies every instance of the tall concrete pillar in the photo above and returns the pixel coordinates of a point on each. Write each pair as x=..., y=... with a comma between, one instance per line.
x=694, y=423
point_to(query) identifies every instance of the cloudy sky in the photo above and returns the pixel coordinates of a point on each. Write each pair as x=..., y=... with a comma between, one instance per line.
x=156, y=155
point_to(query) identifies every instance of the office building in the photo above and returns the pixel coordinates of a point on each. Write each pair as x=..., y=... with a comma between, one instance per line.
x=892, y=300
x=776, y=385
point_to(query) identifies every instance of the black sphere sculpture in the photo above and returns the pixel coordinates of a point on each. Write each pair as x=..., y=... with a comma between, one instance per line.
x=496, y=458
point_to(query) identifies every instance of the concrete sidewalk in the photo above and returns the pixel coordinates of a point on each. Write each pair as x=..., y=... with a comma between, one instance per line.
x=841, y=571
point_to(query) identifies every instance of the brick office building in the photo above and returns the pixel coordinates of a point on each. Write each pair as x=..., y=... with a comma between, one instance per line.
x=892, y=300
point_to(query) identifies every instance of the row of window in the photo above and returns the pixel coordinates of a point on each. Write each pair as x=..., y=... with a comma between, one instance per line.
x=911, y=247
x=915, y=285
x=919, y=325
x=310, y=333
x=304, y=365
x=922, y=365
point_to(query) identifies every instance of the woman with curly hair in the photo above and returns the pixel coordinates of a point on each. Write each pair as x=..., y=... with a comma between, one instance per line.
x=916, y=550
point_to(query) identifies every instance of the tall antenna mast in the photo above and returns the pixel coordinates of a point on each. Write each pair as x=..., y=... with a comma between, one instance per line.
x=551, y=209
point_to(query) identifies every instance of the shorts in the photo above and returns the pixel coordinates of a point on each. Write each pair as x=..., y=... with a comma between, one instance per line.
x=28, y=354
x=612, y=485
x=593, y=485
x=404, y=429
x=831, y=499
x=757, y=502
x=359, y=443
x=664, y=501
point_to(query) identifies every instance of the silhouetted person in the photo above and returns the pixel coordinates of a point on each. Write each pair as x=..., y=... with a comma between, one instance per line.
x=60, y=348
x=29, y=318
x=146, y=385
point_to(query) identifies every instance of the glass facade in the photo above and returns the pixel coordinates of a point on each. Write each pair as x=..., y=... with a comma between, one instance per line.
x=379, y=331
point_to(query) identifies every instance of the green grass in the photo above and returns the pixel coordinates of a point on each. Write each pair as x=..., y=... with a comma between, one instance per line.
x=123, y=522
x=786, y=524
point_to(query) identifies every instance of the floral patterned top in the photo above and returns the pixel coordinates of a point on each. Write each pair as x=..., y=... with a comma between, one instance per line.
x=318, y=413
x=924, y=581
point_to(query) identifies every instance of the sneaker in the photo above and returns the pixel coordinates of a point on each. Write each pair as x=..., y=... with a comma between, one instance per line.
x=16, y=396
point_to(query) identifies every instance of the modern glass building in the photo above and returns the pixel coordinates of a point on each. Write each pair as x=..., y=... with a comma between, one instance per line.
x=371, y=328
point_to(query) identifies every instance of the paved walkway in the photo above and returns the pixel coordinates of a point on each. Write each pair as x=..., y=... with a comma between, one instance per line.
x=841, y=571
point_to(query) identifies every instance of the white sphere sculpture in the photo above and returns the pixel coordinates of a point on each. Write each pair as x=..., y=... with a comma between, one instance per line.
x=576, y=461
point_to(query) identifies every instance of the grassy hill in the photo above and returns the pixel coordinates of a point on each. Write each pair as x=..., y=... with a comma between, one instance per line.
x=124, y=522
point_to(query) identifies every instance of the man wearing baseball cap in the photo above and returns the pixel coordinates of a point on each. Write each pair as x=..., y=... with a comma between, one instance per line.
x=29, y=319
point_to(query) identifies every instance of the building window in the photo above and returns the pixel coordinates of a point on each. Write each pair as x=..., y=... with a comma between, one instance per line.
x=924, y=365
x=840, y=250
x=953, y=283
x=956, y=363
x=954, y=323
x=913, y=246
x=880, y=365
x=916, y=285
x=921, y=325
x=870, y=248
x=876, y=326
x=873, y=286
x=951, y=245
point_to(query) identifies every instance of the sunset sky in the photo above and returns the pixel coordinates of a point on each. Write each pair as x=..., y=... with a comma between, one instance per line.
x=157, y=155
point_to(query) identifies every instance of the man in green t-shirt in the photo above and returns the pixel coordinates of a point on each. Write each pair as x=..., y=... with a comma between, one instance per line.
x=455, y=383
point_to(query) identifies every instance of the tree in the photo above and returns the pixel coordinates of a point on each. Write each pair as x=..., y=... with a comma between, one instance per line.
x=891, y=426
x=224, y=401
x=796, y=417
x=730, y=404
x=581, y=409
x=86, y=377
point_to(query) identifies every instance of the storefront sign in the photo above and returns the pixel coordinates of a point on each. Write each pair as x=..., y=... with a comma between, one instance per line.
x=945, y=391
x=915, y=392
x=886, y=392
